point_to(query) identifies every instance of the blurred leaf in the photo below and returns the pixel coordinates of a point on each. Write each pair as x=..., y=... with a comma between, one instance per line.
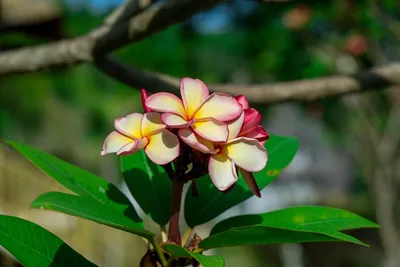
x=33, y=245
x=149, y=185
x=291, y=225
x=210, y=202
x=391, y=5
x=206, y=261
x=79, y=181
x=90, y=209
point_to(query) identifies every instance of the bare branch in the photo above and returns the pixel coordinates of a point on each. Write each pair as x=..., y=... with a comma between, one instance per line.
x=102, y=40
x=127, y=24
x=301, y=91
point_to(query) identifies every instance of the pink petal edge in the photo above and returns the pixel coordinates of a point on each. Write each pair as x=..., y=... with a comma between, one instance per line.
x=189, y=137
x=242, y=101
x=155, y=107
x=231, y=113
x=223, y=126
x=165, y=117
x=144, y=95
x=252, y=118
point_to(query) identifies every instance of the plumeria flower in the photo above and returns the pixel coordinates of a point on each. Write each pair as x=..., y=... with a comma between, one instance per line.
x=239, y=154
x=251, y=126
x=242, y=154
x=137, y=131
x=197, y=112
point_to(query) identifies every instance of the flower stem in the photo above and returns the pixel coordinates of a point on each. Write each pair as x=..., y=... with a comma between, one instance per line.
x=174, y=234
x=159, y=252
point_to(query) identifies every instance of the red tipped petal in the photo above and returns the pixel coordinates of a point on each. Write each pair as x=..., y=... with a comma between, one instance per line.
x=144, y=96
x=252, y=118
x=242, y=101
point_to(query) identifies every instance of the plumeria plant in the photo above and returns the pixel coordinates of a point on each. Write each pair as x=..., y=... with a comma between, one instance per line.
x=215, y=144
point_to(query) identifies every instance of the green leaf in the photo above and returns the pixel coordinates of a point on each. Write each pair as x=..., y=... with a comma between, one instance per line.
x=33, y=245
x=79, y=181
x=206, y=261
x=210, y=202
x=149, y=185
x=260, y=235
x=90, y=209
x=290, y=225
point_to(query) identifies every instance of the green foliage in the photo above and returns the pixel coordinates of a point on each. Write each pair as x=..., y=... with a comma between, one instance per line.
x=78, y=180
x=90, y=209
x=210, y=203
x=33, y=245
x=291, y=225
x=149, y=185
x=206, y=261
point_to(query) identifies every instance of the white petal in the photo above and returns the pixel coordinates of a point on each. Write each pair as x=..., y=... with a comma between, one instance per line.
x=193, y=92
x=163, y=147
x=195, y=141
x=130, y=125
x=247, y=154
x=222, y=171
x=114, y=142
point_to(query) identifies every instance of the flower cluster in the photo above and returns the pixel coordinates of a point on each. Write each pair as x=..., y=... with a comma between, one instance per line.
x=220, y=130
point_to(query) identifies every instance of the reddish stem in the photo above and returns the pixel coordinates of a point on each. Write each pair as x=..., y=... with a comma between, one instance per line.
x=174, y=234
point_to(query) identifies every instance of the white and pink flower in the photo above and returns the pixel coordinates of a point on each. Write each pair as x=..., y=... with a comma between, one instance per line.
x=136, y=131
x=223, y=128
x=201, y=113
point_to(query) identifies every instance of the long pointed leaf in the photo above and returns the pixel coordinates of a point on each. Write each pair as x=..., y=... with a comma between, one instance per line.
x=33, y=245
x=90, y=209
x=294, y=224
x=77, y=180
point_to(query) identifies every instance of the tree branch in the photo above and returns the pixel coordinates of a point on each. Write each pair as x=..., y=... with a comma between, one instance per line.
x=300, y=91
x=104, y=39
x=129, y=23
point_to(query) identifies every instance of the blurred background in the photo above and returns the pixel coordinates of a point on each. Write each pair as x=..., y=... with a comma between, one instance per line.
x=349, y=146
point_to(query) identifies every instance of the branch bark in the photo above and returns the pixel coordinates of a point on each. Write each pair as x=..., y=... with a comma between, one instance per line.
x=102, y=40
x=296, y=91
x=126, y=25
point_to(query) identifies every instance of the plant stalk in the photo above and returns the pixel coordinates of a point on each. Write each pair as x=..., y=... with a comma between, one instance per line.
x=159, y=252
x=174, y=234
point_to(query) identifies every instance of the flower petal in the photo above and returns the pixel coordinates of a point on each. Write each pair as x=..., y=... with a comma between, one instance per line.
x=247, y=154
x=193, y=92
x=252, y=118
x=222, y=171
x=152, y=123
x=165, y=102
x=163, y=147
x=196, y=142
x=174, y=121
x=235, y=126
x=242, y=101
x=250, y=181
x=144, y=95
x=130, y=125
x=114, y=142
x=133, y=147
x=212, y=130
x=258, y=133
x=222, y=107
